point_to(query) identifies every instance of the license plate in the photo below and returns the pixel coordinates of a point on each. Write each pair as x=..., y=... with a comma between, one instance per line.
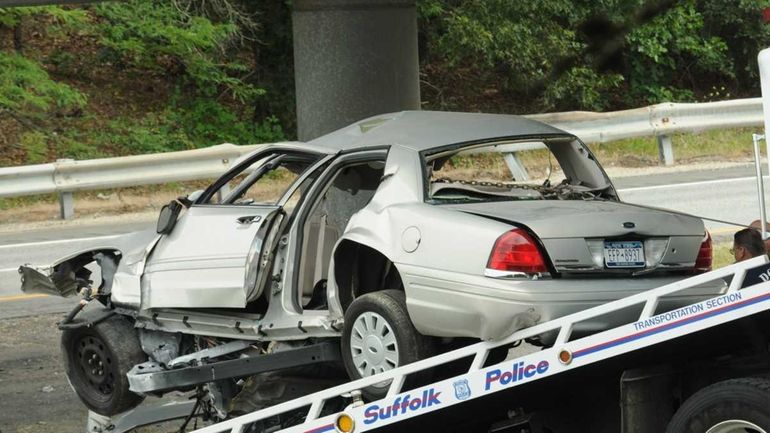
x=624, y=254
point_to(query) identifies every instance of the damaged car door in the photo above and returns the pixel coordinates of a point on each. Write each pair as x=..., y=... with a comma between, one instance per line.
x=213, y=255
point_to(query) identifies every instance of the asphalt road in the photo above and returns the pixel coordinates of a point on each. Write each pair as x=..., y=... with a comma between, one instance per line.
x=34, y=394
x=723, y=194
x=727, y=195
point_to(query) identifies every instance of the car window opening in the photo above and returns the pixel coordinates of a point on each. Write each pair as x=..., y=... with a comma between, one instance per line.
x=266, y=180
x=350, y=190
x=546, y=169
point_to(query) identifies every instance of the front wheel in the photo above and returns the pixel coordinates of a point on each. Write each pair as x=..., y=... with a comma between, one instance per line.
x=97, y=359
x=732, y=406
x=379, y=336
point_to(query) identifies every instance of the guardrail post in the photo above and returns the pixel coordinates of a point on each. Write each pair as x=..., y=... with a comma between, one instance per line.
x=517, y=169
x=223, y=192
x=665, y=150
x=66, y=198
x=66, y=205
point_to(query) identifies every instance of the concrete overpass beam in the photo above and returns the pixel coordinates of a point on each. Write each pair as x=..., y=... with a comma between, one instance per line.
x=353, y=59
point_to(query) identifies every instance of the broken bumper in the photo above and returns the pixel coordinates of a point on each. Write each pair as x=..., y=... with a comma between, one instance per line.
x=35, y=281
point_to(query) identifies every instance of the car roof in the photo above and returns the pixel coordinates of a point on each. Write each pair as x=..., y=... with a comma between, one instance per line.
x=426, y=130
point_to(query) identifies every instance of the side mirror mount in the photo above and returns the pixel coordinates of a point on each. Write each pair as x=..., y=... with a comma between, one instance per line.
x=167, y=217
x=195, y=195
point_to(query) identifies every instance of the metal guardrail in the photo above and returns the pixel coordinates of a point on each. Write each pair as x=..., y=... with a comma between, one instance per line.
x=661, y=120
x=66, y=176
x=656, y=120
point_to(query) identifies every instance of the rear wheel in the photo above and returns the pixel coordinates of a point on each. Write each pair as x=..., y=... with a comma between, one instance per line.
x=97, y=359
x=379, y=336
x=732, y=406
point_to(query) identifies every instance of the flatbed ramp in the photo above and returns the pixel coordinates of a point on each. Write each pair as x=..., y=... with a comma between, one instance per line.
x=319, y=412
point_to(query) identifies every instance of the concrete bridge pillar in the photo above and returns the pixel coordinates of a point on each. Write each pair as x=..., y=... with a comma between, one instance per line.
x=353, y=59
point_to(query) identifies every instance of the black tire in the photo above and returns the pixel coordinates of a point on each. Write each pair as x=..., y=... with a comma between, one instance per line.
x=412, y=346
x=114, y=343
x=746, y=400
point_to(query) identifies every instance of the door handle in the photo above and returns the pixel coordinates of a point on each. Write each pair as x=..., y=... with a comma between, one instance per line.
x=249, y=219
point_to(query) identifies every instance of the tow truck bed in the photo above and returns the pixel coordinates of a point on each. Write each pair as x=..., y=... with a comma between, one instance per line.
x=660, y=359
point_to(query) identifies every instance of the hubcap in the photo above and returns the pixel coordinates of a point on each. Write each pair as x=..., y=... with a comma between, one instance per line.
x=736, y=426
x=95, y=364
x=373, y=345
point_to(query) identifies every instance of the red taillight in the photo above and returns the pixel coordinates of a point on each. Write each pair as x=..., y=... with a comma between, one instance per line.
x=705, y=255
x=516, y=251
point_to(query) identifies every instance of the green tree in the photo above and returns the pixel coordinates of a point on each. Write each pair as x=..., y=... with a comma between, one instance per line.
x=157, y=36
x=583, y=54
x=27, y=92
x=672, y=56
x=205, y=55
x=739, y=24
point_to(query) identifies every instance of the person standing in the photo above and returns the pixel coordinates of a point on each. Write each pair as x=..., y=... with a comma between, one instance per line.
x=747, y=244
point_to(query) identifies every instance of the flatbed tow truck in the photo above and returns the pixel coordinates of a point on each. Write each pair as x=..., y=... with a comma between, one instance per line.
x=701, y=368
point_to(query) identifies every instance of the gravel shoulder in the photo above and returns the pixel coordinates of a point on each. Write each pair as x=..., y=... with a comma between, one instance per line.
x=34, y=394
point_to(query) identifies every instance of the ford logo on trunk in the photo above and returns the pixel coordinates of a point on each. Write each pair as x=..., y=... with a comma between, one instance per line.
x=629, y=225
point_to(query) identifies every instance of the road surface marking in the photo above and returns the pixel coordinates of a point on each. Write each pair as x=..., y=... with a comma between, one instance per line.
x=21, y=297
x=59, y=241
x=685, y=184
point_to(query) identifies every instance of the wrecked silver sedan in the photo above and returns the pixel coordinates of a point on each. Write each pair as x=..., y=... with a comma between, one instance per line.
x=393, y=238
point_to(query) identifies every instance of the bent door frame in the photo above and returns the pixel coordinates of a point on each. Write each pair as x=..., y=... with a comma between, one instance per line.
x=255, y=248
x=289, y=305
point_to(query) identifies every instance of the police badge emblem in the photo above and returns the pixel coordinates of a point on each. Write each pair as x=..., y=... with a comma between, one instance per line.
x=462, y=389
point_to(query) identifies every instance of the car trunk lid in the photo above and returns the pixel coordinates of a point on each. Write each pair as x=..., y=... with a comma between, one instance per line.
x=577, y=235
x=584, y=219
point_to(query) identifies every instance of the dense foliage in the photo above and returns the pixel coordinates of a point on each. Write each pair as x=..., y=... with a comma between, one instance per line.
x=26, y=89
x=597, y=54
x=149, y=75
x=128, y=77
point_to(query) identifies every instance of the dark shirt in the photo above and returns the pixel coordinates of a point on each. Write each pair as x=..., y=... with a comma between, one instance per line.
x=757, y=275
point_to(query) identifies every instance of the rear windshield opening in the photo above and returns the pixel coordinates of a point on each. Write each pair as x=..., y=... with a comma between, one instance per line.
x=561, y=169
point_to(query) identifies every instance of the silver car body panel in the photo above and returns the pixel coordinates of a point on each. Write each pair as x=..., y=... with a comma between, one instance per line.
x=181, y=274
x=546, y=218
x=127, y=284
x=670, y=240
x=426, y=130
x=474, y=306
x=447, y=292
x=203, y=262
x=374, y=225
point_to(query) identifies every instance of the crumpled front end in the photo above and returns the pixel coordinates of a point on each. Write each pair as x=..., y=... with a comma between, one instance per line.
x=70, y=276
